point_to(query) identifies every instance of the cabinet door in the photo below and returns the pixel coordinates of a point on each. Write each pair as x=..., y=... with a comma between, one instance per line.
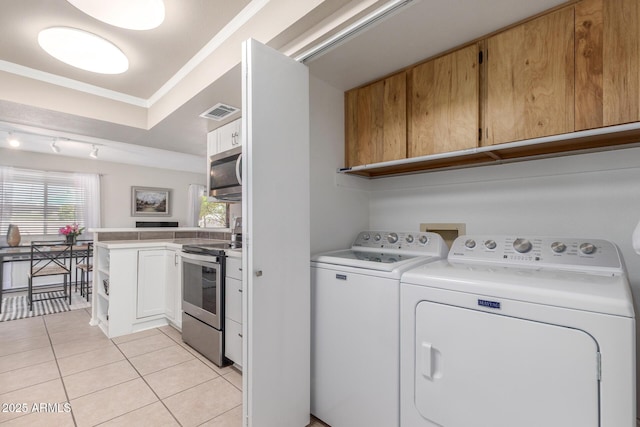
x=530, y=80
x=233, y=299
x=607, y=63
x=172, y=282
x=233, y=268
x=276, y=297
x=212, y=143
x=233, y=341
x=229, y=136
x=376, y=122
x=444, y=103
x=152, y=267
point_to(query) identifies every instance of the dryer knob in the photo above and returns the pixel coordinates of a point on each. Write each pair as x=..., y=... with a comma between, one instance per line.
x=392, y=237
x=409, y=238
x=490, y=244
x=470, y=243
x=588, y=248
x=366, y=236
x=377, y=237
x=522, y=245
x=423, y=239
x=558, y=247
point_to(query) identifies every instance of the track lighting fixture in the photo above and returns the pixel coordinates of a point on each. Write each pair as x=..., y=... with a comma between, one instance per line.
x=57, y=144
x=54, y=147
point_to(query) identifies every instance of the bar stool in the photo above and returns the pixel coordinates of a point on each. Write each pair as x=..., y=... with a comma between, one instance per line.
x=85, y=266
x=50, y=259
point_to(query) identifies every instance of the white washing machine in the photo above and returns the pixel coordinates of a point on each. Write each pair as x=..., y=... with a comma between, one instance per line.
x=524, y=332
x=355, y=326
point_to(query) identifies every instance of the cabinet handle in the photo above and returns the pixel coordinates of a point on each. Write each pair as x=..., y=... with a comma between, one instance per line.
x=240, y=335
x=259, y=273
x=239, y=290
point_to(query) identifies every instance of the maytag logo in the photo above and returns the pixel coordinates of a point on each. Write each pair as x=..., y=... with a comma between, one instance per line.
x=341, y=276
x=489, y=304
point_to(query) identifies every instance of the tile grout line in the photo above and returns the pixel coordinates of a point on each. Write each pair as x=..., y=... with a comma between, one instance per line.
x=64, y=387
x=148, y=385
x=191, y=350
x=219, y=415
x=219, y=375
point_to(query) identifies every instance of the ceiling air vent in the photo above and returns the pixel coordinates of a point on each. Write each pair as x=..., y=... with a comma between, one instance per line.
x=219, y=112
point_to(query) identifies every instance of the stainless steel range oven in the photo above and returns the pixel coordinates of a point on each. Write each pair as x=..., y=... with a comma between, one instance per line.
x=203, y=299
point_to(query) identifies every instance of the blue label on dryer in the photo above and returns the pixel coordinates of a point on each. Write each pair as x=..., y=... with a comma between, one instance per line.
x=489, y=304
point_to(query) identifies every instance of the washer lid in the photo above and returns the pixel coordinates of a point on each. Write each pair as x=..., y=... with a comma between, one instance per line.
x=371, y=260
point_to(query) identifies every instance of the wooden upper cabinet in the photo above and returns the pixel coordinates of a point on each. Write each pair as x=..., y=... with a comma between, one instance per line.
x=607, y=63
x=530, y=80
x=444, y=103
x=376, y=122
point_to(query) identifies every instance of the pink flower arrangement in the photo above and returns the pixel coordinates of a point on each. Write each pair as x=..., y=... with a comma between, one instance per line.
x=71, y=230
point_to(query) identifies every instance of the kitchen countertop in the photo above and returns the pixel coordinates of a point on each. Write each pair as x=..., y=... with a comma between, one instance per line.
x=163, y=243
x=142, y=229
x=234, y=253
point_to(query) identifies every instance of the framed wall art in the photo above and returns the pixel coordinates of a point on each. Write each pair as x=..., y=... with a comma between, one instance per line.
x=150, y=201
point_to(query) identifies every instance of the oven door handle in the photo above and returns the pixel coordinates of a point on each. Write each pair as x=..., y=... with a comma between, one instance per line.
x=200, y=259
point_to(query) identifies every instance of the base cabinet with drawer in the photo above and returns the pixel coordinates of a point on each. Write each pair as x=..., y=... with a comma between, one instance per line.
x=233, y=311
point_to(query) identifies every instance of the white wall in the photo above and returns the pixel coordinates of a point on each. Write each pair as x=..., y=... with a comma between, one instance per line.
x=117, y=180
x=338, y=213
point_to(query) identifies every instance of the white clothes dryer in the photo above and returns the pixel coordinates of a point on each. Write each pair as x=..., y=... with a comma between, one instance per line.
x=355, y=326
x=523, y=332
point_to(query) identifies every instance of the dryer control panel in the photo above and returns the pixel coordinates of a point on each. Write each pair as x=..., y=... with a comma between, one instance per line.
x=549, y=252
x=423, y=242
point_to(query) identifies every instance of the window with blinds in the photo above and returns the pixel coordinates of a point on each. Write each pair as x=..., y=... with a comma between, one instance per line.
x=41, y=202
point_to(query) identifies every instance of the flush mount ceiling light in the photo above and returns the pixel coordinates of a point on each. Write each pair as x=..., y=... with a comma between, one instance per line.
x=129, y=14
x=83, y=50
x=94, y=153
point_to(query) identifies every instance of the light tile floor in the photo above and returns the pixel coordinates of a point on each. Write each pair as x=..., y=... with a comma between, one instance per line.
x=56, y=370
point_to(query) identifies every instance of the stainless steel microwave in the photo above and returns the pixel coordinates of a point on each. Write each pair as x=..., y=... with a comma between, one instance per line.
x=225, y=176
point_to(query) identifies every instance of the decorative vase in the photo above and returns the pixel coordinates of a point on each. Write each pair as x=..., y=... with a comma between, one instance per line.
x=71, y=239
x=13, y=235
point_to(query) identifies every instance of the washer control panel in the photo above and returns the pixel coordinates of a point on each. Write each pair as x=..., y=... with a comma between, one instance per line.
x=561, y=253
x=397, y=240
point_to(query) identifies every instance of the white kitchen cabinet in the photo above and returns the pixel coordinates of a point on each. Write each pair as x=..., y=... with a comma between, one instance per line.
x=152, y=266
x=276, y=294
x=114, y=310
x=212, y=143
x=229, y=136
x=233, y=299
x=173, y=288
x=233, y=342
x=143, y=287
x=233, y=311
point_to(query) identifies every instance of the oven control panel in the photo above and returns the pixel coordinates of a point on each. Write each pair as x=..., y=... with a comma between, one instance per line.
x=399, y=240
x=553, y=252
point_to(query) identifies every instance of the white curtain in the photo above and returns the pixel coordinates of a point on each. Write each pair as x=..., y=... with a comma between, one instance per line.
x=6, y=197
x=91, y=186
x=194, y=201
